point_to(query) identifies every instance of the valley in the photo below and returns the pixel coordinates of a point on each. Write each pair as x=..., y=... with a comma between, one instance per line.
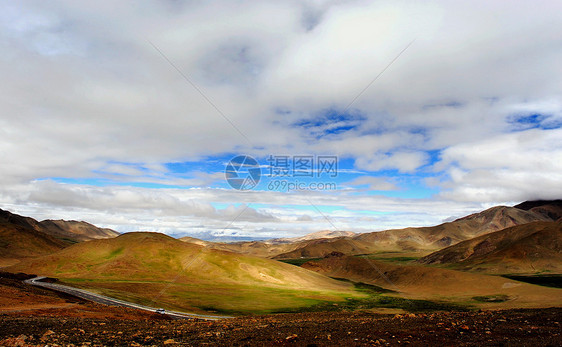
x=486, y=261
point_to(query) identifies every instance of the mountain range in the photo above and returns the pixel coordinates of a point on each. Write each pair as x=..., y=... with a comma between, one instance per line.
x=528, y=248
x=457, y=261
x=24, y=237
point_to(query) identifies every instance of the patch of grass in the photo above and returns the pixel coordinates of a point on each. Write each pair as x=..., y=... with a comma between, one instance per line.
x=298, y=261
x=381, y=301
x=365, y=287
x=67, y=240
x=376, y=300
x=554, y=281
x=209, y=297
x=115, y=253
x=399, y=260
x=491, y=298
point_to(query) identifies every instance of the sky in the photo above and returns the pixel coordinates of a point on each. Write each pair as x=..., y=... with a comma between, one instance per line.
x=360, y=115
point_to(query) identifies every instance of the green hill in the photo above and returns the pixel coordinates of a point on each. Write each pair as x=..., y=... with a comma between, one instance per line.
x=155, y=269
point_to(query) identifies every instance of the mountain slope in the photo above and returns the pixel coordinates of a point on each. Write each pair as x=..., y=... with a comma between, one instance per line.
x=323, y=234
x=527, y=248
x=69, y=231
x=19, y=239
x=184, y=273
x=18, y=242
x=417, y=281
x=420, y=239
x=75, y=231
x=551, y=209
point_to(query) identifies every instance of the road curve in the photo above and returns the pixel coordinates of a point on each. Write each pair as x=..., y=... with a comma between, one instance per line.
x=102, y=299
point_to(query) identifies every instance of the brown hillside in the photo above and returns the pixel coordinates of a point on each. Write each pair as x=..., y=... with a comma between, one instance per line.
x=75, y=231
x=323, y=247
x=254, y=248
x=154, y=256
x=69, y=231
x=323, y=234
x=419, y=239
x=418, y=281
x=550, y=209
x=527, y=248
x=158, y=270
x=18, y=242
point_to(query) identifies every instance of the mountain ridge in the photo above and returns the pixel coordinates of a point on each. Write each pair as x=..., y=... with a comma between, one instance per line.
x=528, y=248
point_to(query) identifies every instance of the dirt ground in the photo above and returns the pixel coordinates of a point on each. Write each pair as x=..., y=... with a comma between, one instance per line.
x=66, y=321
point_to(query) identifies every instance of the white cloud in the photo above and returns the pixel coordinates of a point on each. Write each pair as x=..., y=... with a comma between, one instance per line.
x=510, y=167
x=85, y=95
x=374, y=183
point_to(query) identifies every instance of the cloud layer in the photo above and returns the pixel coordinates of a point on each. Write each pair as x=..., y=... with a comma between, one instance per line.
x=472, y=109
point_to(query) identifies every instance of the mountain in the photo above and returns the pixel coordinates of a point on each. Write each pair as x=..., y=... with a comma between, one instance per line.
x=195, y=241
x=417, y=281
x=422, y=240
x=551, y=209
x=18, y=242
x=7, y=217
x=323, y=247
x=75, y=231
x=323, y=234
x=529, y=248
x=20, y=239
x=425, y=239
x=269, y=248
x=69, y=231
x=151, y=265
x=24, y=237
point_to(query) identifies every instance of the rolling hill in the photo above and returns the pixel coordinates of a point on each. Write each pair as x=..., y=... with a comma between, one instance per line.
x=420, y=282
x=152, y=266
x=529, y=248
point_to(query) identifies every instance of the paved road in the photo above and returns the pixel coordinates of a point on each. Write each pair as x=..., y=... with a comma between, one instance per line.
x=84, y=294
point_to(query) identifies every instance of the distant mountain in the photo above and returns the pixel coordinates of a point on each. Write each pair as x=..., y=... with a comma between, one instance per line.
x=323, y=234
x=529, y=248
x=75, y=231
x=195, y=241
x=261, y=249
x=69, y=231
x=420, y=239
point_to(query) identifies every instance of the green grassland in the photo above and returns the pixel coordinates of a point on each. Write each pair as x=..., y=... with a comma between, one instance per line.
x=212, y=298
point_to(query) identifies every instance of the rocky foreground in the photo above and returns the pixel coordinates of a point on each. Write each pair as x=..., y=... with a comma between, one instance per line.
x=513, y=327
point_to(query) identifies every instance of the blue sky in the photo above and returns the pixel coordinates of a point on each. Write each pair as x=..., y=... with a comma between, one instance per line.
x=126, y=115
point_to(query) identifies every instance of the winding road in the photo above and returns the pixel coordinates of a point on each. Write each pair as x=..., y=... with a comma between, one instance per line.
x=102, y=299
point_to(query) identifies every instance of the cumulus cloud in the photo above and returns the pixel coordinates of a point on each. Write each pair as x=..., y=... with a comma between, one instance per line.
x=474, y=102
